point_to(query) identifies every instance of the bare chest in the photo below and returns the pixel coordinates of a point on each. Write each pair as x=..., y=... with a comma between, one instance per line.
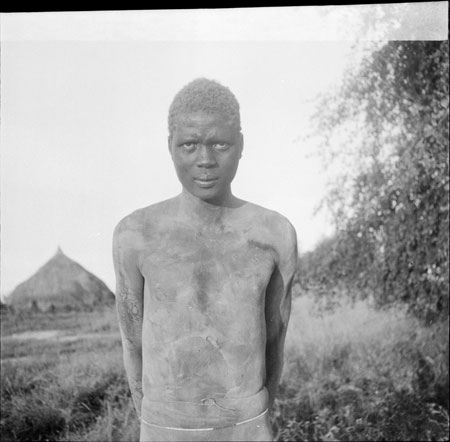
x=201, y=266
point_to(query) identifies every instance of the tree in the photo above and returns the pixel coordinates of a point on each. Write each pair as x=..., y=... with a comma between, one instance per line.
x=384, y=138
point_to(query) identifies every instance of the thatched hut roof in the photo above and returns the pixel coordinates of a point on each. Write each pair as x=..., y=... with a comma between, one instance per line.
x=61, y=282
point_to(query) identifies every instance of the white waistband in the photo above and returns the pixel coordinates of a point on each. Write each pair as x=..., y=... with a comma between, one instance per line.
x=206, y=429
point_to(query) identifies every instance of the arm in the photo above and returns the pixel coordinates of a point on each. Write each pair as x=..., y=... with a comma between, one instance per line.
x=129, y=304
x=278, y=308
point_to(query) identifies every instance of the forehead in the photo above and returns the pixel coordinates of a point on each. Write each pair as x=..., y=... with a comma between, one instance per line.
x=204, y=121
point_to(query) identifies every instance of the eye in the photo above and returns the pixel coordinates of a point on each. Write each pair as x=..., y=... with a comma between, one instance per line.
x=189, y=147
x=221, y=146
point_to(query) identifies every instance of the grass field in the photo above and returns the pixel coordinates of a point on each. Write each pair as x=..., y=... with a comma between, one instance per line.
x=350, y=374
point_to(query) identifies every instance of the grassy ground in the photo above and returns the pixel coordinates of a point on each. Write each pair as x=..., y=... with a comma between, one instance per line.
x=358, y=374
x=68, y=390
x=350, y=374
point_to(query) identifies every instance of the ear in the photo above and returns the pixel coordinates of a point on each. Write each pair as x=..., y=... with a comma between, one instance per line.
x=241, y=144
x=169, y=143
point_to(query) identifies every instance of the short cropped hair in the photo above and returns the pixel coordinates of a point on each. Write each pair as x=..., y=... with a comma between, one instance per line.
x=204, y=95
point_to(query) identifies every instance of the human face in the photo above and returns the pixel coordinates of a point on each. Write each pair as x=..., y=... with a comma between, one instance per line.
x=205, y=151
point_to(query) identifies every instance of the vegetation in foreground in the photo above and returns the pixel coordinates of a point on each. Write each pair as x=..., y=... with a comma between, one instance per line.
x=351, y=373
x=354, y=373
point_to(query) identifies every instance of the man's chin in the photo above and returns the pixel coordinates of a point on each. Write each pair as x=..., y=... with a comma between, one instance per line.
x=210, y=195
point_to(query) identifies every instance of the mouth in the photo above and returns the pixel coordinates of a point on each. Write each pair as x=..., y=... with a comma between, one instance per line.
x=206, y=181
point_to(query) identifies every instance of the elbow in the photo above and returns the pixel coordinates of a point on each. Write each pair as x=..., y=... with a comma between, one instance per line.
x=132, y=345
x=132, y=355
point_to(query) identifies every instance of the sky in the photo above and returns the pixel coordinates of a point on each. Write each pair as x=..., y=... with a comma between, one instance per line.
x=84, y=101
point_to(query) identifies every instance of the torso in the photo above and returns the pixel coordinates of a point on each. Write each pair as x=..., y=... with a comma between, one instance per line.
x=204, y=295
x=204, y=329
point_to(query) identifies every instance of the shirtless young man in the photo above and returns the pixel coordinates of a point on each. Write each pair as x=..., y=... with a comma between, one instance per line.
x=204, y=287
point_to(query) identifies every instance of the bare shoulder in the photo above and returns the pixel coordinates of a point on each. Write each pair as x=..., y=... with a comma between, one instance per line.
x=276, y=230
x=278, y=224
x=135, y=226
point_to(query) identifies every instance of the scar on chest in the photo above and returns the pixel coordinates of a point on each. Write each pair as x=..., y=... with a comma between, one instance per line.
x=260, y=245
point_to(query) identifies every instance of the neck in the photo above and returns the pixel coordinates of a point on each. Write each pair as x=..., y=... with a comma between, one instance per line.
x=205, y=210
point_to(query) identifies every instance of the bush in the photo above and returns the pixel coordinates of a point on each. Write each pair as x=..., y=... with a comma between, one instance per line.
x=384, y=140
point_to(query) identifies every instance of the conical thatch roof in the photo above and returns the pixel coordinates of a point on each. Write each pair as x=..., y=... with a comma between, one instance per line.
x=61, y=282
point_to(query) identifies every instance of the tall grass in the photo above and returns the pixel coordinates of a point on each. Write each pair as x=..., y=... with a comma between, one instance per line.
x=356, y=373
x=68, y=390
x=353, y=373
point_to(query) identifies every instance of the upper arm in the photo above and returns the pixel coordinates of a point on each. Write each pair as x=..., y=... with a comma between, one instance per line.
x=129, y=283
x=278, y=292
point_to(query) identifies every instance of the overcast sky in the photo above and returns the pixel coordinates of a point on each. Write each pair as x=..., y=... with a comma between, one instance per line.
x=84, y=101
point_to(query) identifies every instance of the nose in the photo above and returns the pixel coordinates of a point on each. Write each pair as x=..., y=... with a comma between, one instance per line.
x=205, y=157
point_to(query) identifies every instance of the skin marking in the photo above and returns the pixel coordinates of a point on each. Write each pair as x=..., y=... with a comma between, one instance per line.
x=202, y=278
x=129, y=311
x=260, y=245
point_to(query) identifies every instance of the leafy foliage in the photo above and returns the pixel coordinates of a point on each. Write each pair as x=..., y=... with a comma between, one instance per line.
x=384, y=140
